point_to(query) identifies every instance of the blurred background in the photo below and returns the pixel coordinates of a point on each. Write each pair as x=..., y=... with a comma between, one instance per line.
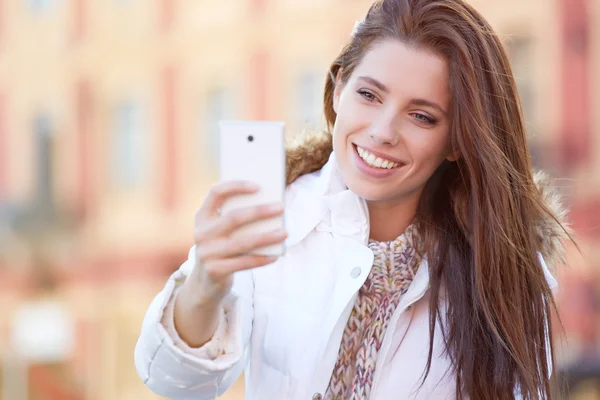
x=108, y=121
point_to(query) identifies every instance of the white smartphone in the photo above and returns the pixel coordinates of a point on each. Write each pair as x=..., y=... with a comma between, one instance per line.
x=255, y=151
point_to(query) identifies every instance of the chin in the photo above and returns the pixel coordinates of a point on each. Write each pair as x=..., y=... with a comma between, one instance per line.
x=368, y=191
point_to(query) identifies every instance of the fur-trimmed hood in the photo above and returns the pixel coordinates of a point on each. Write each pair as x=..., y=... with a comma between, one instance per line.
x=551, y=234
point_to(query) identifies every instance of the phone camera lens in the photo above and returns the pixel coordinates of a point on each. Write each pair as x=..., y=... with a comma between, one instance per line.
x=250, y=138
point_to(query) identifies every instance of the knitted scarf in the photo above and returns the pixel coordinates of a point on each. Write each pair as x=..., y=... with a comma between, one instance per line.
x=394, y=267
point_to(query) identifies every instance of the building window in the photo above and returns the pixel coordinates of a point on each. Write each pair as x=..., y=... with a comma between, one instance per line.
x=169, y=134
x=309, y=100
x=40, y=5
x=128, y=152
x=44, y=158
x=219, y=106
x=520, y=54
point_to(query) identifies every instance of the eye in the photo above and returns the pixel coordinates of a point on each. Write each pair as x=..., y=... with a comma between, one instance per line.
x=367, y=95
x=424, y=118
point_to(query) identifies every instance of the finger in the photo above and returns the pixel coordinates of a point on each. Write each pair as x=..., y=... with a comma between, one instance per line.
x=218, y=270
x=235, y=219
x=241, y=245
x=225, y=225
x=220, y=192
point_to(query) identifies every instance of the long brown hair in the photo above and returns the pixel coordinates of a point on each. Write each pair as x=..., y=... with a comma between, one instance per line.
x=480, y=215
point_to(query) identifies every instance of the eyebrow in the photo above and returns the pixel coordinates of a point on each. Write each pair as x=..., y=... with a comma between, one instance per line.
x=415, y=101
x=375, y=83
x=427, y=103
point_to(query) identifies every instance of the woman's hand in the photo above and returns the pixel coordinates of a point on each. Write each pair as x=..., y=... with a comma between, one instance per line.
x=221, y=250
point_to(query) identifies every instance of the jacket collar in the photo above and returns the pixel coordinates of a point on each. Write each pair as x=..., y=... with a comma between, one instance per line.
x=322, y=197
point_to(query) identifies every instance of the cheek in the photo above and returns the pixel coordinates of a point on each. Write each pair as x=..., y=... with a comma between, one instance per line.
x=336, y=135
x=342, y=129
x=429, y=152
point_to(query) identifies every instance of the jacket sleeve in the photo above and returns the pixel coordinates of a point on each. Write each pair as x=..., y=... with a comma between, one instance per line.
x=207, y=372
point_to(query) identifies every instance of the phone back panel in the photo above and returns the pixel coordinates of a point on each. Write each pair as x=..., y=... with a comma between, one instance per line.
x=255, y=151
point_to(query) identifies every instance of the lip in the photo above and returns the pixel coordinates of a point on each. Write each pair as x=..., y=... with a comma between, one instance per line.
x=380, y=155
x=372, y=171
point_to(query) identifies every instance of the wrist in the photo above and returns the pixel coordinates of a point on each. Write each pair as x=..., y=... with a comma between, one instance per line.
x=196, y=295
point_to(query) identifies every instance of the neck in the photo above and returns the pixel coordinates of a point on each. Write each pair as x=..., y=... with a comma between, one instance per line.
x=389, y=219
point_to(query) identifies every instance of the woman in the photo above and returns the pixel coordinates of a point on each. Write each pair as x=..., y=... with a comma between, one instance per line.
x=416, y=239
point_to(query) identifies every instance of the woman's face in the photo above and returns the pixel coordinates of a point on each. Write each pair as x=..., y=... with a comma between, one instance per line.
x=393, y=122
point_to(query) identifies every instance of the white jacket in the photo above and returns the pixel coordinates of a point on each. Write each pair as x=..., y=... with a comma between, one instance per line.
x=284, y=322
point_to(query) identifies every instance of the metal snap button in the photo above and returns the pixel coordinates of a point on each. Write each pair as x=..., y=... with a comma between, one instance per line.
x=317, y=396
x=355, y=273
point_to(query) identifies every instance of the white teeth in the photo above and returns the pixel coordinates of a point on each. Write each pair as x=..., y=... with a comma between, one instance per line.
x=374, y=161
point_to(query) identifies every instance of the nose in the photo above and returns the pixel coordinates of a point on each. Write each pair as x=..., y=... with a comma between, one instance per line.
x=384, y=132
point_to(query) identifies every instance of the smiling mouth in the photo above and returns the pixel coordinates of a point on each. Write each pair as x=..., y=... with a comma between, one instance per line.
x=374, y=161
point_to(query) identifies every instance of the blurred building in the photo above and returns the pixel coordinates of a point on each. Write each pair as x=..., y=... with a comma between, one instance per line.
x=108, y=113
